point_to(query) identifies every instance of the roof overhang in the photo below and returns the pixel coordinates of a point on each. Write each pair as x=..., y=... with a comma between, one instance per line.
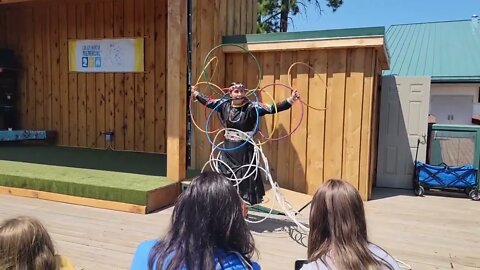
x=327, y=39
x=454, y=79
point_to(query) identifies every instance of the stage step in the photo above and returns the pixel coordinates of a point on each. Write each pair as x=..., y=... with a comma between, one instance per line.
x=119, y=180
x=104, y=189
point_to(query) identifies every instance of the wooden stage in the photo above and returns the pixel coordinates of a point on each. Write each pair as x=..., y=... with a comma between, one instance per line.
x=118, y=180
x=428, y=233
x=122, y=181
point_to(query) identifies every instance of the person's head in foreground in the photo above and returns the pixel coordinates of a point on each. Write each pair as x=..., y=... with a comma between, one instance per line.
x=26, y=244
x=338, y=232
x=207, y=229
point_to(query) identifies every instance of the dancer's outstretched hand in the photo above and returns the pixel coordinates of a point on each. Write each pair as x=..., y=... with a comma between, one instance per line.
x=295, y=95
x=195, y=92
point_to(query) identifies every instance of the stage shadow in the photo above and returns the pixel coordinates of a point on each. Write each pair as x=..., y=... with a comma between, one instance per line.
x=277, y=226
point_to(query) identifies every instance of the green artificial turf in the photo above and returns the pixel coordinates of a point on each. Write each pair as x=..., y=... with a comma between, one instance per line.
x=92, y=173
x=97, y=184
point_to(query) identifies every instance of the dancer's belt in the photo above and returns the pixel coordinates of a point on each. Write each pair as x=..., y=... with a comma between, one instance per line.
x=236, y=136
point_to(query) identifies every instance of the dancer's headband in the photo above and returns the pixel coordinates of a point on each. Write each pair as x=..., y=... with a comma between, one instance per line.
x=239, y=86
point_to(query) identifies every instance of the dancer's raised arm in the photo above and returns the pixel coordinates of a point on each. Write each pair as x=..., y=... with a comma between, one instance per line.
x=279, y=106
x=208, y=102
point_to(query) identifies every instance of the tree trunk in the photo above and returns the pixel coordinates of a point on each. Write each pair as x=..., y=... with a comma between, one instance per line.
x=285, y=8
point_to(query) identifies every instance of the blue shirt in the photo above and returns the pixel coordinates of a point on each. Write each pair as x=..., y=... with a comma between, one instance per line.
x=233, y=261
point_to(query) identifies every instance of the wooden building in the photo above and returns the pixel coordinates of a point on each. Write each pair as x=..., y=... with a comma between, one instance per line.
x=147, y=111
x=337, y=135
x=82, y=106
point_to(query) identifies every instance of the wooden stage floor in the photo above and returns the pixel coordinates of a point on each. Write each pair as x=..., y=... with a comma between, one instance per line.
x=428, y=233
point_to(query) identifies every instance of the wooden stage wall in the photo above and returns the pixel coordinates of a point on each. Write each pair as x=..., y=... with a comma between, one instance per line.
x=81, y=106
x=339, y=142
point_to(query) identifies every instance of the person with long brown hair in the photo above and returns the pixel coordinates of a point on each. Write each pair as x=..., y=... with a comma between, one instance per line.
x=338, y=232
x=26, y=244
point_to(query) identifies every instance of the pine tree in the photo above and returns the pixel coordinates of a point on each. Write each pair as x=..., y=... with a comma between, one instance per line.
x=273, y=15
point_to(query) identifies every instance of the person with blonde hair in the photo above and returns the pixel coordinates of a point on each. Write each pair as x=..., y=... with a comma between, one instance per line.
x=26, y=245
x=338, y=232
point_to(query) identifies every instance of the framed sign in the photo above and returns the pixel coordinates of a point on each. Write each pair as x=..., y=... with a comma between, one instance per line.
x=106, y=55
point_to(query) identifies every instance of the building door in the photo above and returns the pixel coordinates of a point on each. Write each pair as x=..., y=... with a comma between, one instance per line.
x=403, y=120
x=452, y=109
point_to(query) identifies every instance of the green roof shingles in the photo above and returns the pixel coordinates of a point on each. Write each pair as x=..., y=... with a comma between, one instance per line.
x=445, y=51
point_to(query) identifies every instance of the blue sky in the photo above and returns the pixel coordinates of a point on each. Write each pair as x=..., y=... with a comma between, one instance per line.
x=365, y=13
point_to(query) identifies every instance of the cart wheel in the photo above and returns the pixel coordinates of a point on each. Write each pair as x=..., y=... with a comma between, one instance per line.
x=419, y=191
x=468, y=190
x=474, y=195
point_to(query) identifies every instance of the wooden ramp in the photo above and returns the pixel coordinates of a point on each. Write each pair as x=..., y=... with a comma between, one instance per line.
x=296, y=199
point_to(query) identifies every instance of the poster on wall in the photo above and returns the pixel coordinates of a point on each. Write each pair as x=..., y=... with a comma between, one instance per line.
x=106, y=55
